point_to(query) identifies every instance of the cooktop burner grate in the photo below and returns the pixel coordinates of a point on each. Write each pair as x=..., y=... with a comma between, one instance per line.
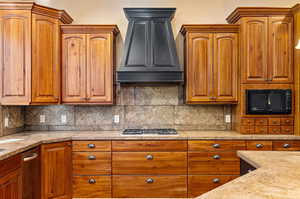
x=150, y=131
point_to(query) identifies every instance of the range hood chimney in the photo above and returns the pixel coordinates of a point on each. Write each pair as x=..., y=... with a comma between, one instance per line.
x=150, y=54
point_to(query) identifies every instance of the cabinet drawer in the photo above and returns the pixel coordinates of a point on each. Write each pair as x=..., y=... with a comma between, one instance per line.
x=286, y=145
x=274, y=130
x=247, y=121
x=91, y=146
x=287, y=121
x=149, y=187
x=200, y=184
x=287, y=130
x=149, y=145
x=151, y=163
x=10, y=164
x=274, y=121
x=259, y=145
x=261, y=130
x=91, y=163
x=216, y=145
x=261, y=122
x=92, y=187
x=247, y=129
x=203, y=163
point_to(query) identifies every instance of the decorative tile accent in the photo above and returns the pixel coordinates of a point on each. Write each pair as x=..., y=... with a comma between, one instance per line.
x=158, y=95
x=15, y=115
x=52, y=115
x=149, y=117
x=98, y=117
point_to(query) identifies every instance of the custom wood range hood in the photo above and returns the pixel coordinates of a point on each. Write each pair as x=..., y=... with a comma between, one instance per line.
x=150, y=53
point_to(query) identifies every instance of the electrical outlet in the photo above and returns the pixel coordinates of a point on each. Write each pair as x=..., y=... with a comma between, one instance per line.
x=116, y=119
x=63, y=119
x=227, y=118
x=42, y=118
x=6, y=122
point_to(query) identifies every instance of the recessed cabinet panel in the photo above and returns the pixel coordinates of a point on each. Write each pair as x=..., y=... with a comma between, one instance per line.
x=225, y=66
x=15, y=57
x=74, y=68
x=254, y=49
x=45, y=59
x=281, y=49
x=56, y=170
x=99, y=70
x=199, y=66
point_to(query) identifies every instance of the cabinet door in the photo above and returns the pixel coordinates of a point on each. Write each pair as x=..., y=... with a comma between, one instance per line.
x=281, y=49
x=15, y=57
x=74, y=68
x=254, y=49
x=56, y=171
x=45, y=59
x=100, y=68
x=225, y=66
x=199, y=67
x=11, y=185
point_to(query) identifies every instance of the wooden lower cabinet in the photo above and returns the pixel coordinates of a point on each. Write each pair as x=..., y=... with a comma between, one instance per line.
x=200, y=184
x=11, y=178
x=91, y=186
x=149, y=186
x=56, y=171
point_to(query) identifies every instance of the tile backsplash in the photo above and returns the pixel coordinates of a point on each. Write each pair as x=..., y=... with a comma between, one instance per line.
x=137, y=107
x=15, y=120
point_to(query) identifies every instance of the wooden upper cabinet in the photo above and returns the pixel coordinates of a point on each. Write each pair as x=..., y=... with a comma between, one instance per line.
x=199, y=68
x=45, y=59
x=211, y=59
x=74, y=68
x=225, y=66
x=88, y=64
x=56, y=170
x=30, y=53
x=15, y=56
x=281, y=49
x=254, y=49
x=266, y=44
x=99, y=68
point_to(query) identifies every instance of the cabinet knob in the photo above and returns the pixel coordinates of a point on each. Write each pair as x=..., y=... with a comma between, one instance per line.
x=92, y=181
x=149, y=180
x=91, y=146
x=216, y=180
x=216, y=157
x=286, y=146
x=216, y=146
x=259, y=146
x=92, y=157
x=149, y=157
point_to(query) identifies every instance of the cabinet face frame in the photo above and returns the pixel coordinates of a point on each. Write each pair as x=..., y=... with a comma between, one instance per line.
x=15, y=58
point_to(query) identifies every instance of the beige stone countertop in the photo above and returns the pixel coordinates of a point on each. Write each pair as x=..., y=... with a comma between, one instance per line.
x=35, y=138
x=277, y=177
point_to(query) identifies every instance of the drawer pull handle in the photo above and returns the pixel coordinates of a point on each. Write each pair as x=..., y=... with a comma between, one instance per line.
x=216, y=146
x=149, y=180
x=287, y=121
x=216, y=180
x=91, y=146
x=92, y=181
x=286, y=146
x=149, y=157
x=216, y=157
x=92, y=157
x=259, y=146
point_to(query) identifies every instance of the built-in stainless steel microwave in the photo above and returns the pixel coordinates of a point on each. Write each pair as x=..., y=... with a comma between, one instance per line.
x=269, y=102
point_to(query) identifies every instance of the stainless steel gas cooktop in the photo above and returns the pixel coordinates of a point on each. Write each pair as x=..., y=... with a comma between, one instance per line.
x=149, y=132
